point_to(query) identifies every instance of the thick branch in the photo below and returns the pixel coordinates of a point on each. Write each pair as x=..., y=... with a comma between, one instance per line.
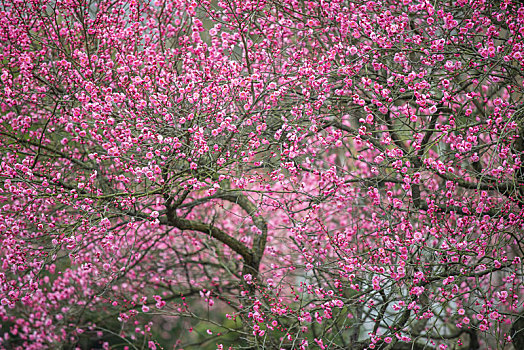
x=185, y=224
x=259, y=242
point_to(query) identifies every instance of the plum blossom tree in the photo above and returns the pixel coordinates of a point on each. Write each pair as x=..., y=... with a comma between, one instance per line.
x=261, y=174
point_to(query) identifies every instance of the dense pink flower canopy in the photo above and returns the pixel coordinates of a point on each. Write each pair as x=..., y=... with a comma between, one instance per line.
x=262, y=174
